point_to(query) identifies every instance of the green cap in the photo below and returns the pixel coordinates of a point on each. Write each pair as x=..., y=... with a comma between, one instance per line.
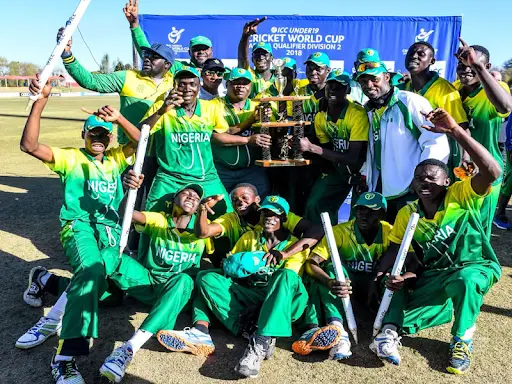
x=200, y=40
x=320, y=59
x=195, y=187
x=227, y=72
x=372, y=68
x=243, y=264
x=188, y=69
x=290, y=62
x=339, y=76
x=275, y=204
x=366, y=55
x=396, y=78
x=239, y=73
x=261, y=45
x=94, y=121
x=372, y=200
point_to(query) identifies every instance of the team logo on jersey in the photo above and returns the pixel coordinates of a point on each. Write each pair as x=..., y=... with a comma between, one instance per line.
x=175, y=35
x=423, y=35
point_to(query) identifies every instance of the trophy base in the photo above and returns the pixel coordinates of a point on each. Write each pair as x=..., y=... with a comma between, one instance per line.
x=282, y=163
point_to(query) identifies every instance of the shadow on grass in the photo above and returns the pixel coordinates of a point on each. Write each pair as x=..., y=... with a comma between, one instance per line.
x=497, y=310
x=43, y=117
x=434, y=351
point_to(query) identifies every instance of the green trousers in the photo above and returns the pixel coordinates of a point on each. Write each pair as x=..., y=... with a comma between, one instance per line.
x=437, y=298
x=488, y=209
x=329, y=192
x=93, y=253
x=281, y=303
x=167, y=296
x=506, y=186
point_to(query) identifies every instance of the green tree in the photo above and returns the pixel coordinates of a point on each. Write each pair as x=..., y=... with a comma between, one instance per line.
x=507, y=64
x=4, y=66
x=118, y=65
x=105, y=64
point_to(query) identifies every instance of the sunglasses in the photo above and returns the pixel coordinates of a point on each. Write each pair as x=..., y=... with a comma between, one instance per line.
x=365, y=66
x=216, y=73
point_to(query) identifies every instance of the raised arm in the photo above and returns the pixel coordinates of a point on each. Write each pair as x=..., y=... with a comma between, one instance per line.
x=489, y=169
x=202, y=228
x=29, y=142
x=250, y=28
x=109, y=113
x=131, y=12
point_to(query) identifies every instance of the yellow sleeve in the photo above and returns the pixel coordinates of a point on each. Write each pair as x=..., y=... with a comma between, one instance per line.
x=452, y=103
x=320, y=125
x=462, y=192
x=322, y=249
x=64, y=160
x=386, y=232
x=358, y=123
x=220, y=123
x=246, y=243
x=291, y=221
x=398, y=231
x=296, y=261
x=119, y=157
x=226, y=223
x=155, y=221
x=506, y=88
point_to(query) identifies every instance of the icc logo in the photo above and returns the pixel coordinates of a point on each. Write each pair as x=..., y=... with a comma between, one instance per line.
x=175, y=35
x=423, y=35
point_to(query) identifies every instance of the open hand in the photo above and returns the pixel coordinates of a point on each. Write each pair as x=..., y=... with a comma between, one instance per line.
x=131, y=12
x=108, y=113
x=442, y=120
x=209, y=202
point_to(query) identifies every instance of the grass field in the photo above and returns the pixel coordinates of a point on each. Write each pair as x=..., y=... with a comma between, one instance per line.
x=30, y=199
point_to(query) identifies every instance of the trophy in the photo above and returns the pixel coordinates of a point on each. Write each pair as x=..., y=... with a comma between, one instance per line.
x=287, y=130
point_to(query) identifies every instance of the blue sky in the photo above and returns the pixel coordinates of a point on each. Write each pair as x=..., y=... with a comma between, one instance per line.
x=28, y=29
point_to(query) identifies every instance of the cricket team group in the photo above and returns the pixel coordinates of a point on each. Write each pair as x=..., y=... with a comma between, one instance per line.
x=240, y=246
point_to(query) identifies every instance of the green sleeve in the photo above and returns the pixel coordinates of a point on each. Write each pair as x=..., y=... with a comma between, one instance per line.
x=99, y=82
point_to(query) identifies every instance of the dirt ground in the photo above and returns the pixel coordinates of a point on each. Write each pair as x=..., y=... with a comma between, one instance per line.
x=30, y=198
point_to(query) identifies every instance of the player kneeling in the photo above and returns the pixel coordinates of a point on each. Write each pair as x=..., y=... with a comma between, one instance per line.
x=458, y=264
x=255, y=283
x=361, y=243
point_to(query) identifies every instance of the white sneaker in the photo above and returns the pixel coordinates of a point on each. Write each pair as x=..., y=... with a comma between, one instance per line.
x=250, y=363
x=38, y=334
x=66, y=372
x=385, y=345
x=116, y=363
x=189, y=340
x=342, y=349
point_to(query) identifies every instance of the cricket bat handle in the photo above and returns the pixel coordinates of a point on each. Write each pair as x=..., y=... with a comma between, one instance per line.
x=132, y=193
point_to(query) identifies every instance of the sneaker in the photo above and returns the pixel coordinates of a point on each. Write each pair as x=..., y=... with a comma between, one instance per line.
x=66, y=372
x=115, y=364
x=460, y=359
x=342, y=349
x=189, y=340
x=317, y=339
x=271, y=348
x=249, y=364
x=33, y=295
x=38, y=334
x=501, y=222
x=385, y=345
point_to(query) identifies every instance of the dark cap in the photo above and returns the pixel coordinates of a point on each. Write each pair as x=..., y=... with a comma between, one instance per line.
x=210, y=64
x=161, y=50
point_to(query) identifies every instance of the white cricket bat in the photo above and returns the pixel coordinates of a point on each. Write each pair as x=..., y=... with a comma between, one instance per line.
x=397, y=270
x=338, y=270
x=132, y=193
x=61, y=44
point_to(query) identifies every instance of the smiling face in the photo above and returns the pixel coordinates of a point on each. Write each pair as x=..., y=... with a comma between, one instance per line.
x=374, y=87
x=367, y=218
x=261, y=60
x=466, y=75
x=238, y=89
x=154, y=64
x=316, y=74
x=200, y=53
x=430, y=181
x=188, y=200
x=190, y=88
x=96, y=140
x=270, y=221
x=419, y=58
x=243, y=199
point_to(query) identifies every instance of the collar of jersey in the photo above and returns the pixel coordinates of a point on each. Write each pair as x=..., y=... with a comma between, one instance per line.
x=170, y=222
x=475, y=92
x=279, y=247
x=429, y=83
x=422, y=213
x=91, y=158
x=247, y=105
x=342, y=114
x=360, y=239
x=392, y=101
x=180, y=112
x=167, y=77
x=260, y=76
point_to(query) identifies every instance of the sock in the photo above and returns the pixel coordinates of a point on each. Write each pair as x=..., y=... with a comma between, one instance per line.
x=263, y=340
x=62, y=358
x=44, y=278
x=337, y=322
x=389, y=326
x=468, y=335
x=202, y=328
x=139, y=338
x=57, y=311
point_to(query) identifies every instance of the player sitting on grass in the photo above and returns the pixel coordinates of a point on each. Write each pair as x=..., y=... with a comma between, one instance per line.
x=270, y=286
x=90, y=178
x=361, y=243
x=459, y=265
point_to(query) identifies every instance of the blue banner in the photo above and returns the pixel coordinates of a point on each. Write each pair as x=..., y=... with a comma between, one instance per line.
x=299, y=36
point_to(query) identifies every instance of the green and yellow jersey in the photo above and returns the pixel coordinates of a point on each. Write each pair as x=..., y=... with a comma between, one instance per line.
x=254, y=241
x=352, y=125
x=238, y=156
x=137, y=93
x=310, y=107
x=260, y=86
x=454, y=237
x=485, y=121
x=182, y=144
x=356, y=254
x=233, y=227
x=170, y=251
x=92, y=188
